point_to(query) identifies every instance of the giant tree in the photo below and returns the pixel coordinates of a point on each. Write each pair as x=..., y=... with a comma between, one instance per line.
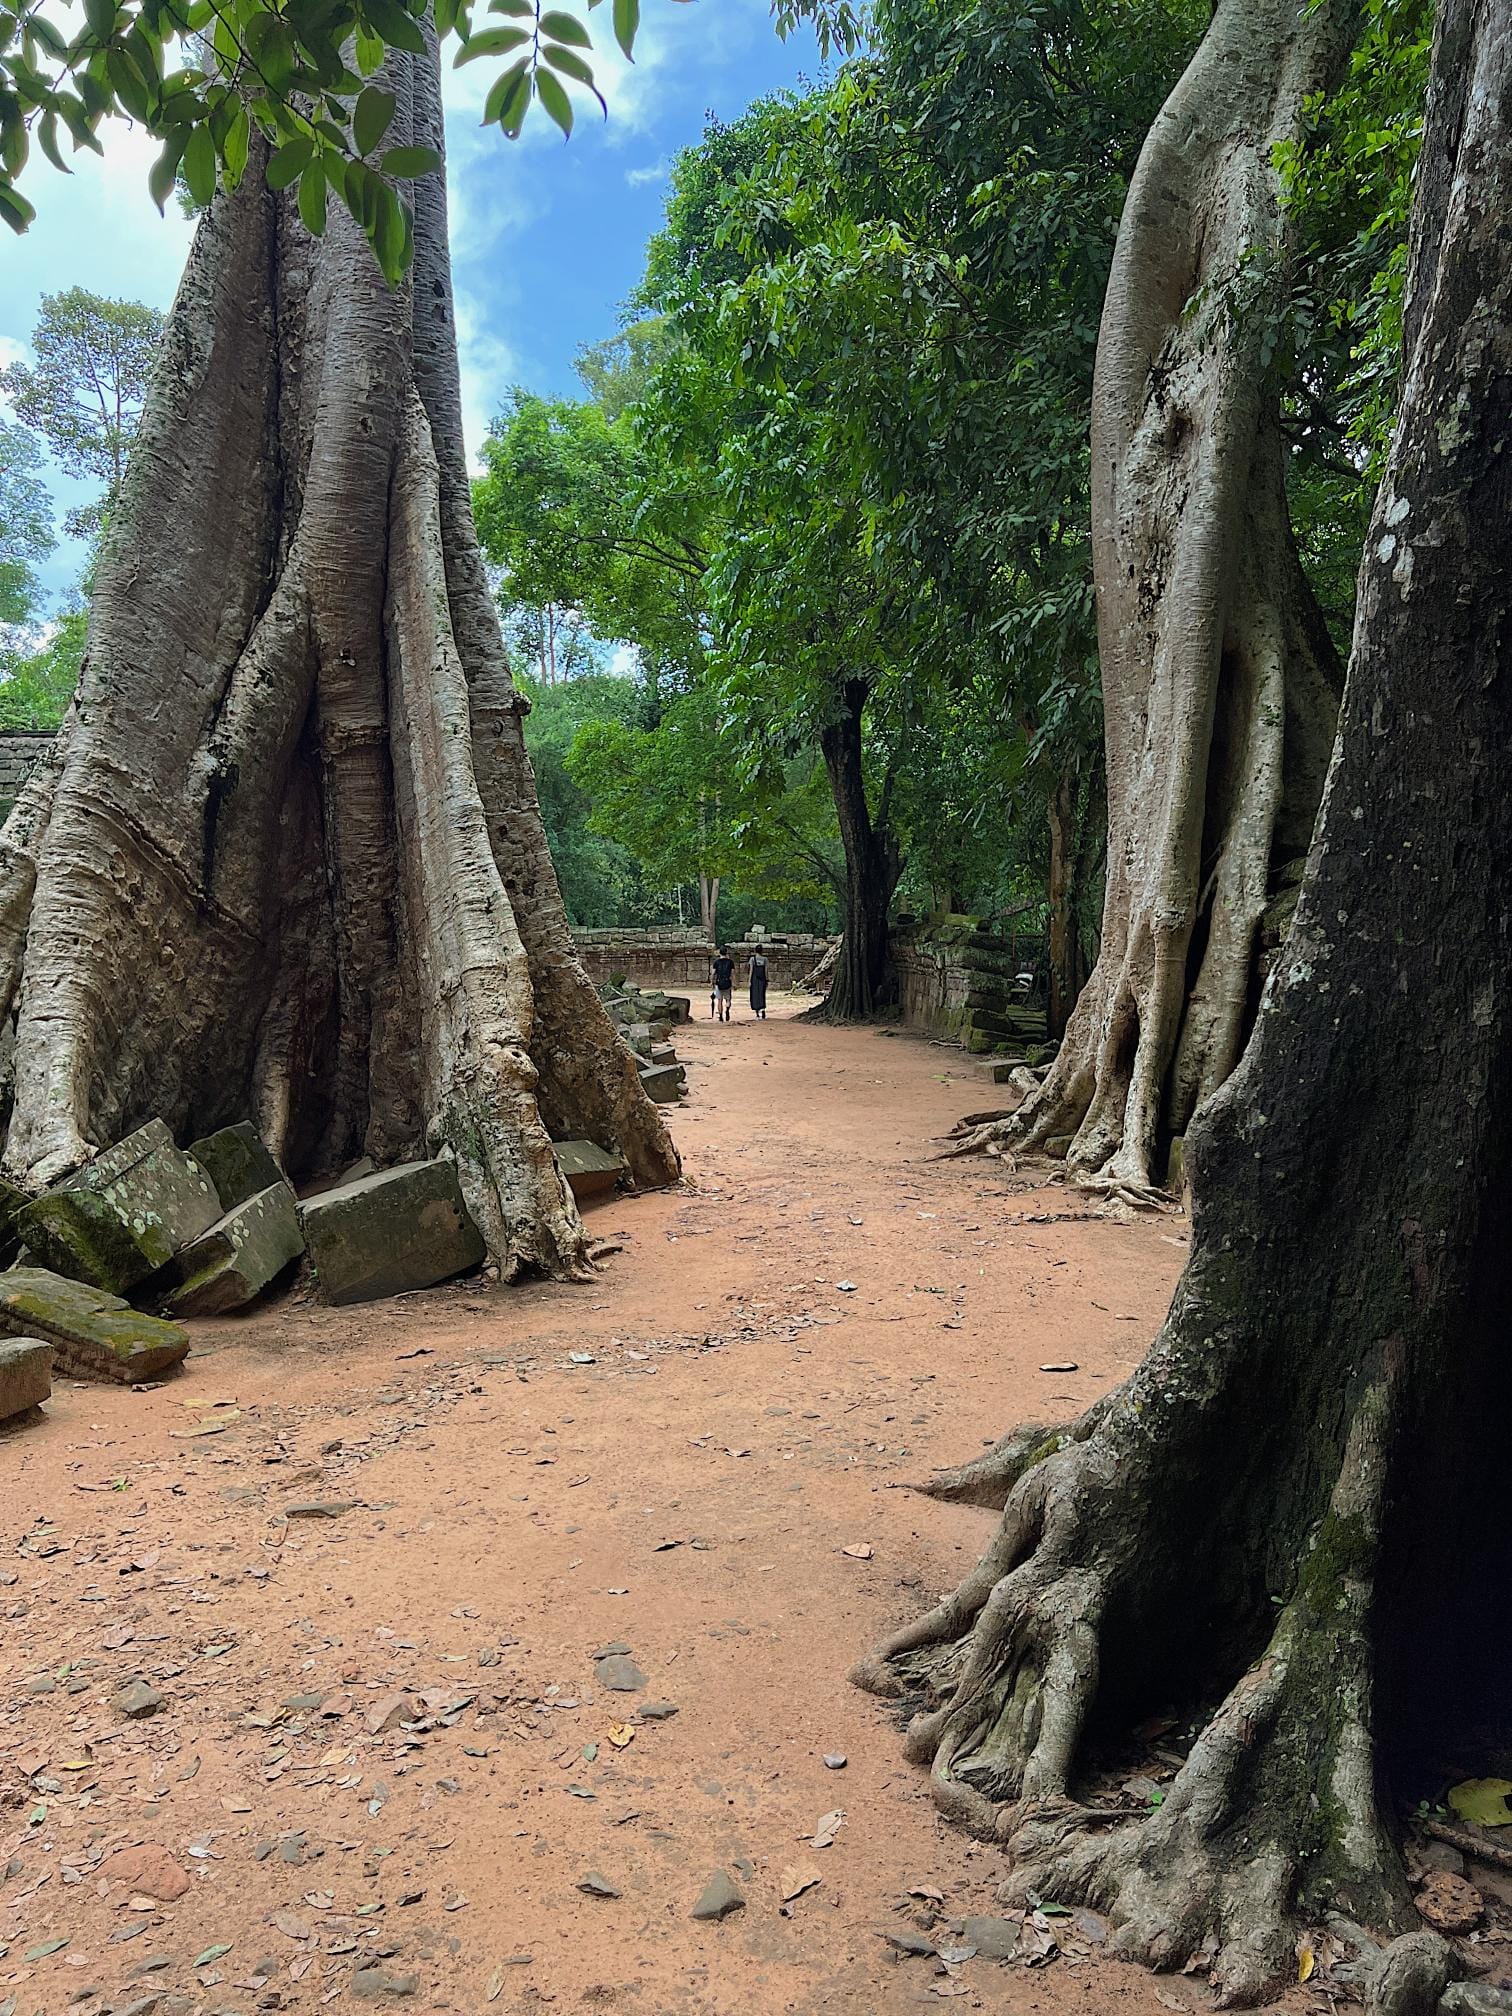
x=1219, y=677
x=288, y=859
x=1281, y=1529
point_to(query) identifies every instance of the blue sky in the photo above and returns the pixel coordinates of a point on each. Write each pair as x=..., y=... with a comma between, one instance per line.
x=548, y=236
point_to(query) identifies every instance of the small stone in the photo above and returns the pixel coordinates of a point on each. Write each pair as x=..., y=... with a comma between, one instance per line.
x=1450, y=1903
x=912, y=1945
x=718, y=1898
x=25, y=1374
x=138, y=1700
x=993, y=1938
x=148, y=1868
x=656, y=1711
x=834, y=1760
x=373, y=1984
x=594, y=1885
x=1439, y=1856
x=619, y=1673
x=320, y=1508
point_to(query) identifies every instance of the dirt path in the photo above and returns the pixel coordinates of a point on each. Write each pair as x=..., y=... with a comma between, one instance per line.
x=671, y=1459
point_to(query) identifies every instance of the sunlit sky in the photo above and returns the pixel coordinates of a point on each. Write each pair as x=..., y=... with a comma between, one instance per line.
x=548, y=236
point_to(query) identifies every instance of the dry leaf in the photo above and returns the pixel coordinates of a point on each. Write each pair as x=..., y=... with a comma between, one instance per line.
x=828, y=1828
x=1306, y=1961
x=797, y=1878
x=859, y=1552
x=620, y=1734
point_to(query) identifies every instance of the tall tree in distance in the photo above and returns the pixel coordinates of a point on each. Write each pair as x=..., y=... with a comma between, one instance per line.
x=316, y=887
x=1287, y=1510
x=85, y=391
x=26, y=533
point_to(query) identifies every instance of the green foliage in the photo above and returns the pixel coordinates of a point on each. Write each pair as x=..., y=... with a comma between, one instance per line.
x=675, y=796
x=37, y=684
x=601, y=884
x=85, y=392
x=26, y=534
x=223, y=82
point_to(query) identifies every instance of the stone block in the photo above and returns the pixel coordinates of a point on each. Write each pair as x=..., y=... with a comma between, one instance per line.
x=94, y=1335
x=238, y=1162
x=638, y=1036
x=25, y=1374
x=390, y=1232
x=240, y=1256
x=587, y=1169
x=122, y=1216
x=662, y=1082
x=679, y=1008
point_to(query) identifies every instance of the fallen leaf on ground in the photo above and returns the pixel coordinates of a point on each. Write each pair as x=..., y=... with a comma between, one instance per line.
x=860, y=1552
x=797, y=1878
x=828, y=1828
x=1483, y=1801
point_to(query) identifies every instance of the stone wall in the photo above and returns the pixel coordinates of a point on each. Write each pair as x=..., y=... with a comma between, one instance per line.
x=18, y=756
x=675, y=956
x=957, y=978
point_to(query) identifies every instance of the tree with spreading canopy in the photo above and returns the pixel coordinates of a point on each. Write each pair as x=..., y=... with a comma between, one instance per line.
x=84, y=391
x=1280, y=1530
x=315, y=887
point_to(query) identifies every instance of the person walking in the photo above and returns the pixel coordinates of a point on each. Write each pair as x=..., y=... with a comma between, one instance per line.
x=758, y=984
x=722, y=973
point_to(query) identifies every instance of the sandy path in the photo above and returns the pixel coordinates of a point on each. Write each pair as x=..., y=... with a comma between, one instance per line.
x=508, y=1505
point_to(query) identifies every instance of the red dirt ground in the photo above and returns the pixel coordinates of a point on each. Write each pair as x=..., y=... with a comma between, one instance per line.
x=688, y=1491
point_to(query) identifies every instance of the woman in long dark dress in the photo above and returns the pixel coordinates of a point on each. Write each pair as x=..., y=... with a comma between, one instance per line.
x=758, y=985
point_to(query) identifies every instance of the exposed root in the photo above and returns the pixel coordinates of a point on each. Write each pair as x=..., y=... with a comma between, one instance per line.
x=988, y=1479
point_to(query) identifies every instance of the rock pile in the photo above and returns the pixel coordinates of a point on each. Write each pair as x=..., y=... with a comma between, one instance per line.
x=104, y=1263
x=646, y=1019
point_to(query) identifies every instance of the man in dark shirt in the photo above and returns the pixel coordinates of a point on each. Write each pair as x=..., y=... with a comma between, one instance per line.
x=722, y=972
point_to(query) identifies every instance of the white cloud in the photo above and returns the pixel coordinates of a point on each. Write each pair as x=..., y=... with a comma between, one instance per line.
x=489, y=367
x=641, y=178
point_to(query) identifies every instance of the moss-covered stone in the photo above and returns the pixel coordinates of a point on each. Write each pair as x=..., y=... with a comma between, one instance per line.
x=390, y=1232
x=232, y=1263
x=122, y=1216
x=238, y=1162
x=25, y=1374
x=94, y=1335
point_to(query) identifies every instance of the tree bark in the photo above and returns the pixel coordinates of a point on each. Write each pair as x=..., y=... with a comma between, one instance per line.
x=864, y=981
x=289, y=861
x=708, y=907
x=1288, y=1510
x=1065, y=943
x=1220, y=684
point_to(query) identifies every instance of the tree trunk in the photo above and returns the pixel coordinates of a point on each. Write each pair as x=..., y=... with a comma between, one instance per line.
x=1290, y=1508
x=708, y=907
x=864, y=980
x=1065, y=939
x=1220, y=684
x=289, y=861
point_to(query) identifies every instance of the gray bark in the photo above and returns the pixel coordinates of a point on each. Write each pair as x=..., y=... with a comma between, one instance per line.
x=289, y=859
x=1290, y=1508
x=1220, y=684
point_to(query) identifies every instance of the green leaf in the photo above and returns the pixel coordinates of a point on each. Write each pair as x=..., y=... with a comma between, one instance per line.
x=370, y=119
x=213, y=1953
x=369, y=51
x=554, y=97
x=271, y=47
x=507, y=100
x=491, y=42
x=14, y=208
x=199, y=165
x=312, y=198
x=1483, y=1801
x=399, y=29
x=163, y=173
x=234, y=147
x=47, y=133
x=572, y=65
x=566, y=28
x=100, y=14
x=407, y=163
x=521, y=9
x=289, y=162
x=626, y=22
